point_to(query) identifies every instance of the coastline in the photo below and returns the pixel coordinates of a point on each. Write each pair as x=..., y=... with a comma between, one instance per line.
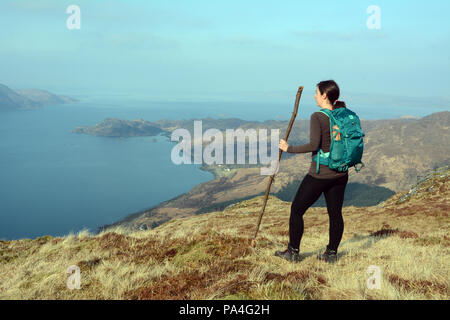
x=218, y=171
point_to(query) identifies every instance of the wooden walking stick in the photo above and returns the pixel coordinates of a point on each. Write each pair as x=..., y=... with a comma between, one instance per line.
x=272, y=177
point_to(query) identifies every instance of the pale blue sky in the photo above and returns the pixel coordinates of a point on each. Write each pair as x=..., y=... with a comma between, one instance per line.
x=254, y=50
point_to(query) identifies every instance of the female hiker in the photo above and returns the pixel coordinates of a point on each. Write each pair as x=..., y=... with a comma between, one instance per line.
x=330, y=182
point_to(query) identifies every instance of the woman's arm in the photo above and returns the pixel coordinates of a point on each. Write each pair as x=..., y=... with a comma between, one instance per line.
x=315, y=136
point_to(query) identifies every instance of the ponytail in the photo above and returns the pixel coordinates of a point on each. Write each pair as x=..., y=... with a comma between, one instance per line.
x=339, y=104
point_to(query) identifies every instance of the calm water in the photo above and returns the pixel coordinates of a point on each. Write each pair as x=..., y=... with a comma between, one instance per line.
x=54, y=182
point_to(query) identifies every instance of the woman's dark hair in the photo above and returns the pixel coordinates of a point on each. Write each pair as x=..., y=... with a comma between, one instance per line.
x=332, y=90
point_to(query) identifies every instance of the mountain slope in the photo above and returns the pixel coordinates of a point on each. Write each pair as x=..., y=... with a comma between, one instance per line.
x=43, y=97
x=28, y=99
x=10, y=100
x=397, y=152
x=208, y=256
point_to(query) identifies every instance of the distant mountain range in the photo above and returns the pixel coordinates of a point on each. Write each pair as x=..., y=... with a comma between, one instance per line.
x=28, y=99
x=112, y=127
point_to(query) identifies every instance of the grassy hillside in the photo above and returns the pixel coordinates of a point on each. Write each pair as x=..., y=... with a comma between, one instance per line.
x=208, y=256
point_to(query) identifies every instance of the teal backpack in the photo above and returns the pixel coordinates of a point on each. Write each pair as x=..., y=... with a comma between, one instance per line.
x=347, y=144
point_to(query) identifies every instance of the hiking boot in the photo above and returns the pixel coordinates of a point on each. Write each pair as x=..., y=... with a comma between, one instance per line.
x=329, y=256
x=290, y=254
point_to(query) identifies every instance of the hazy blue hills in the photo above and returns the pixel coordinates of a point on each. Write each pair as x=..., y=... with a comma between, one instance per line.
x=28, y=99
x=112, y=127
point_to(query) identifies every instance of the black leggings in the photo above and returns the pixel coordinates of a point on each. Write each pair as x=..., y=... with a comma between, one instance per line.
x=308, y=192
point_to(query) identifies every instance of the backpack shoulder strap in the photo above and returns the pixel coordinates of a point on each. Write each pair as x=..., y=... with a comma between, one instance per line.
x=333, y=121
x=330, y=115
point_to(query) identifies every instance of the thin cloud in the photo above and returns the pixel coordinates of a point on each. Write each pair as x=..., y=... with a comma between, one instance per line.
x=249, y=42
x=319, y=35
x=131, y=40
x=42, y=5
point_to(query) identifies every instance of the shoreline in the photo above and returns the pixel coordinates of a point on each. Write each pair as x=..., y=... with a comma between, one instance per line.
x=217, y=170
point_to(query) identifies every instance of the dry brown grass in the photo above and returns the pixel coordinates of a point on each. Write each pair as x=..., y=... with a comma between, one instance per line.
x=208, y=256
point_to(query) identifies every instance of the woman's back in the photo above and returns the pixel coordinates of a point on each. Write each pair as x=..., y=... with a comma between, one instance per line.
x=319, y=138
x=325, y=141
